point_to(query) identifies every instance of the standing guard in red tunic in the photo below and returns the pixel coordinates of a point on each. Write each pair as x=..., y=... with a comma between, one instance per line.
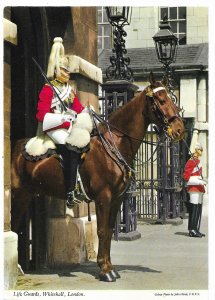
x=60, y=119
x=196, y=188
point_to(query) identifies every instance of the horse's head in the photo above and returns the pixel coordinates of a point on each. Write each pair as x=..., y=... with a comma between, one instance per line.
x=165, y=113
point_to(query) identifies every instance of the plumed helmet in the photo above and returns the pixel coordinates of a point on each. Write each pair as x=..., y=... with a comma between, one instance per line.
x=198, y=146
x=57, y=58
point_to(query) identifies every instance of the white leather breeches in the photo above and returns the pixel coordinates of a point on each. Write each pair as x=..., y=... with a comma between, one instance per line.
x=196, y=197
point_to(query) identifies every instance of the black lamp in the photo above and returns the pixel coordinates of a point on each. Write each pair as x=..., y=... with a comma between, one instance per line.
x=119, y=14
x=118, y=17
x=166, y=43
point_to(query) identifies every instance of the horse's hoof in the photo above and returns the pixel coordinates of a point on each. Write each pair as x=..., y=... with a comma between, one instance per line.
x=115, y=274
x=107, y=277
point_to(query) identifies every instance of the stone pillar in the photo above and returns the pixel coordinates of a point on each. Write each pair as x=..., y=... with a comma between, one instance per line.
x=71, y=241
x=86, y=77
x=202, y=100
x=188, y=96
x=10, y=238
x=194, y=140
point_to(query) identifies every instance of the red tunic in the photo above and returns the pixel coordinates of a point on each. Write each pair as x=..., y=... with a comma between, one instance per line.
x=44, y=106
x=192, y=170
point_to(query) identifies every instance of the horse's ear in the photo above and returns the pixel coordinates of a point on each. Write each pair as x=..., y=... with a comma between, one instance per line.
x=164, y=81
x=151, y=78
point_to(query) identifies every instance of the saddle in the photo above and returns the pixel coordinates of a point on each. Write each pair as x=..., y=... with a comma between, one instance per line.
x=41, y=147
x=38, y=148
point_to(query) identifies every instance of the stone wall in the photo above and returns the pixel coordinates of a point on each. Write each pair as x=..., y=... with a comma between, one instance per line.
x=10, y=238
x=82, y=41
x=145, y=23
x=197, y=25
x=7, y=150
x=194, y=99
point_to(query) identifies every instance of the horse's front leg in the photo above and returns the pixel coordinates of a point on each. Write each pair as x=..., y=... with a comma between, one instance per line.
x=104, y=231
x=106, y=211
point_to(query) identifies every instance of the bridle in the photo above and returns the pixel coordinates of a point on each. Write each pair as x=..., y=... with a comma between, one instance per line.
x=165, y=120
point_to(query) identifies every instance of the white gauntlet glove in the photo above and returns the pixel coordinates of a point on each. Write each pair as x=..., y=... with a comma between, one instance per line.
x=196, y=180
x=69, y=116
x=52, y=120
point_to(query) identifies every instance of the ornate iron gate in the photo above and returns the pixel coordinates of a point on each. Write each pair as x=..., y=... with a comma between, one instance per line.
x=159, y=178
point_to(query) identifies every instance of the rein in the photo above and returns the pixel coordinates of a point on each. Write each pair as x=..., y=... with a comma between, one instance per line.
x=119, y=160
x=96, y=116
x=114, y=148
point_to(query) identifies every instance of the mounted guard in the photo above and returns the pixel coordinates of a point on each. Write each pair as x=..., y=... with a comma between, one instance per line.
x=63, y=119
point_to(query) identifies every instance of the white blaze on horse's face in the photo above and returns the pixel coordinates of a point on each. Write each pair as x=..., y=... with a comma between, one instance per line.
x=169, y=112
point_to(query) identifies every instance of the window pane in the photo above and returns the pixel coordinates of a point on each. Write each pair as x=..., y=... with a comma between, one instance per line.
x=173, y=13
x=107, y=43
x=182, y=26
x=100, y=30
x=105, y=19
x=116, y=10
x=173, y=25
x=99, y=43
x=182, y=39
x=164, y=11
x=99, y=16
x=182, y=12
x=107, y=29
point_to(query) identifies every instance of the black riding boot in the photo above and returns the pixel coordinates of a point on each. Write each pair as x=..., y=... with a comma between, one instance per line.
x=194, y=221
x=199, y=218
x=71, y=160
x=190, y=208
x=72, y=191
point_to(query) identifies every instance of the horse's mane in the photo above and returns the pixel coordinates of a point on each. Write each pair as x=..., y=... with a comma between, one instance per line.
x=118, y=117
x=122, y=113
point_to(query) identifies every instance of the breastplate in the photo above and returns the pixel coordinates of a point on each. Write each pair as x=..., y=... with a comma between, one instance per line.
x=65, y=93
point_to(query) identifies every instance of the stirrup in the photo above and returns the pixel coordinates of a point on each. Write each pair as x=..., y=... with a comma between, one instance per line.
x=71, y=199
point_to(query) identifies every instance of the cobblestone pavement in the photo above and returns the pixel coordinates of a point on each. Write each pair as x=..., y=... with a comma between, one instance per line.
x=164, y=259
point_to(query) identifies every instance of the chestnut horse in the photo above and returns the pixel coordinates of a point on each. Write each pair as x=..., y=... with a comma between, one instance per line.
x=103, y=176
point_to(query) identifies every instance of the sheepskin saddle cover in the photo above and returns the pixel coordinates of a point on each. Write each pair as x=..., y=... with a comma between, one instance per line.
x=38, y=148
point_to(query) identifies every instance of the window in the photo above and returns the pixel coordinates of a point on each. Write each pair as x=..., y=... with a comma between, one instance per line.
x=104, y=29
x=177, y=20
